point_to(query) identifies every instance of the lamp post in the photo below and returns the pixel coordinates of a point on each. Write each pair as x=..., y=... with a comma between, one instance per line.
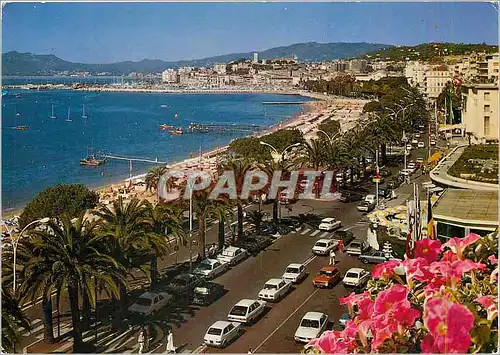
x=15, y=242
x=190, y=185
x=330, y=139
x=377, y=177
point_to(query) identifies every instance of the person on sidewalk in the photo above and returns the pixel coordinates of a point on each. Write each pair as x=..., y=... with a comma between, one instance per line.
x=332, y=257
x=141, y=339
x=170, y=342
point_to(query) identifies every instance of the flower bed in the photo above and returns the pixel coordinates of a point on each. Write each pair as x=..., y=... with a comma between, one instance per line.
x=443, y=300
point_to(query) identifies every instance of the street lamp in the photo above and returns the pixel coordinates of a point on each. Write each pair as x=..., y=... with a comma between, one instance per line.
x=15, y=242
x=190, y=186
x=276, y=150
x=330, y=139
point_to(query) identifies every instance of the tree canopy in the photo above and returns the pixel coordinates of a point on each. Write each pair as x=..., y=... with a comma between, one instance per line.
x=55, y=200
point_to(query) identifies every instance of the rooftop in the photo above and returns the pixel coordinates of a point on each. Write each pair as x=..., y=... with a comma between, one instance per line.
x=469, y=205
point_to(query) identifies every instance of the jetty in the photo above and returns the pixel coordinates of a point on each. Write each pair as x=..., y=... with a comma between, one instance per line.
x=222, y=128
x=143, y=160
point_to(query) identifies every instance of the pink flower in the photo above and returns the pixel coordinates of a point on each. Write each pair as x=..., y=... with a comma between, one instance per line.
x=493, y=259
x=417, y=269
x=428, y=249
x=388, y=298
x=449, y=256
x=459, y=244
x=428, y=345
x=490, y=303
x=449, y=323
x=381, y=335
x=353, y=299
x=494, y=276
x=385, y=270
x=434, y=286
x=365, y=309
x=453, y=272
x=334, y=342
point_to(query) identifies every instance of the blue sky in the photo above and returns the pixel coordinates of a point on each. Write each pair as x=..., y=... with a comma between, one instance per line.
x=110, y=32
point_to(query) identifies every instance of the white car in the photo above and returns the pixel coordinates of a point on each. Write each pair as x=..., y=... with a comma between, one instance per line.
x=246, y=311
x=356, y=277
x=411, y=165
x=221, y=333
x=149, y=303
x=323, y=246
x=311, y=326
x=409, y=147
x=417, y=135
x=371, y=199
x=329, y=224
x=421, y=145
x=414, y=141
x=210, y=268
x=275, y=289
x=433, y=142
x=295, y=273
x=420, y=160
x=232, y=255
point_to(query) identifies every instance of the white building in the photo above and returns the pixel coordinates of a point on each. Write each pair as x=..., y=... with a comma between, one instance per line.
x=480, y=111
x=415, y=73
x=435, y=80
x=379, y=74
x=220, y=68
x=256, y=57
x=488, y=69
x=169, y=76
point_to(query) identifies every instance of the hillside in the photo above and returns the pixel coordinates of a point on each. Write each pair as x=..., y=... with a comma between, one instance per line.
x=15, y=63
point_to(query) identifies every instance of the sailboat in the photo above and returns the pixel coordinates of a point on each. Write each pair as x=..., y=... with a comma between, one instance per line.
x=92, y=159
x=53, y=116
x=17, y=112
x=69, y=115
x=83, y=114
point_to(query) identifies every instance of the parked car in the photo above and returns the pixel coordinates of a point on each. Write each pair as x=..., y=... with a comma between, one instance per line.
x=207, y=293
x=328, y=276
x=232, y=255
x=184, y=284
x=356, y=277
x=246, y=310
x=420, y=160
x=411, y=165
x=345, y=236
x=350, y=196
x=323, y=246
x=357, y=247
x=421, y=145
x=385, y=172
x=365, y=206
x=210, y=268
x=222, y=333
x=409, y=147
x=254, y=244
x=432, y=142
x=417, y=135
x=275, y=289
x=329, y=224
x=295, y=273
x=149, y=303
x=414, y=141
x=311, y=326
x=394, y=183
x=384, y=192
x=371, y=198
x=375, y=257
x=344, y=318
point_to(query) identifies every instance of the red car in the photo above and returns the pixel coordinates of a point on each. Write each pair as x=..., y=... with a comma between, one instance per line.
x=328, y=276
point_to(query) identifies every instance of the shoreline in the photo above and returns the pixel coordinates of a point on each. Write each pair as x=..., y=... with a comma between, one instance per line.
x=315, y=111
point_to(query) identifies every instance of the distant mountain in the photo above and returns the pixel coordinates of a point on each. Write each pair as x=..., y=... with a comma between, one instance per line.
x=15, y=63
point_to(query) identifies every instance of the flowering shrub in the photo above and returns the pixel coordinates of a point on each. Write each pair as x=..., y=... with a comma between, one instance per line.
x=443, y=300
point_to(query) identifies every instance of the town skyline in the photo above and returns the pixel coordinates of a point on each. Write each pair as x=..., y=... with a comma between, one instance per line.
x=118, y=32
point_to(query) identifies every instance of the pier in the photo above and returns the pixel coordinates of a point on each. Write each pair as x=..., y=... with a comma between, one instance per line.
x=284, y=102
x=222, y=128
x=143, y=160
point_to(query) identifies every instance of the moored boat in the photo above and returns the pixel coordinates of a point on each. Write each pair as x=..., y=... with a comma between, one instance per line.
x=91, y=160
x=176, y=132
x=20, y=128
x=166, y=126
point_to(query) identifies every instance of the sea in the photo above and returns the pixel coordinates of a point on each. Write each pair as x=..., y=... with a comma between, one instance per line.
x=117, y=123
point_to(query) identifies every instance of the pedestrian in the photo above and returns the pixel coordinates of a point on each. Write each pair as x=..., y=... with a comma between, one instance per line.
x=332, y=257
x=170, y=342
x=341, y=245
x=141, y=340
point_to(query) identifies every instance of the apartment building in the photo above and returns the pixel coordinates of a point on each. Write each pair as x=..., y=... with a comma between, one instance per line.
x=415, y=73
x=169, y=76
x=220, y=68
x=487, y=69
x=435, y=80
x=480, y=111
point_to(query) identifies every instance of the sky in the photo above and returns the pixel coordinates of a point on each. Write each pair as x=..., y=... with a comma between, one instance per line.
x=112, y=32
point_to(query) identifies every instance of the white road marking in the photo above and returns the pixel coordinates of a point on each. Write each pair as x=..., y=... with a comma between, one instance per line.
x=309, y=260
x=306, y=231
x=286, y=320
x=313, y=234
x=323, y=235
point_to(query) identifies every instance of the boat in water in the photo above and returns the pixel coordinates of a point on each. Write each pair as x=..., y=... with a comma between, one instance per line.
x=69, y=115
x=53, y=116
x=163, y=106
x=20, y=128
x=164, y=127
x=92, y=159
x=84, y=115
x=176, y=132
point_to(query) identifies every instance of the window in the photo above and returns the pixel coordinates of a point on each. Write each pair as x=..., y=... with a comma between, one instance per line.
x=446, y=231
x=486, y=108
x=486, y=96
x=486, y=125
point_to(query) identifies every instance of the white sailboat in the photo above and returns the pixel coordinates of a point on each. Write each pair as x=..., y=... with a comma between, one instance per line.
x=69, y=115
x=17, y=112
x=83, y=114
x=53, y=116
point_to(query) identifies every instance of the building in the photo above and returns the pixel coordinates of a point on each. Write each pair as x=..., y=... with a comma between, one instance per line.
x=256, y=57
x=415, y=73
x=357, y=65
x=459, y=212
x=487, y=69
x=220, y=68
x=435, y=80
x=371, y=76
x=480, y=111
x=169, y=76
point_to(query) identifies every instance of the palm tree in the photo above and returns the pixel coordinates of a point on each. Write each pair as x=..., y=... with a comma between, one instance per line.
x=256, y=218
x=68, y=257
x=222, y=210
x=123, y=226
x=153, y=177
x=203, y=207
x=164, y=227
x=12, y=319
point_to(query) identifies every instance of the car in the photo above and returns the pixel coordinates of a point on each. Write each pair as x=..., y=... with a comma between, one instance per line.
x=357, y=247
x=275, y=289
x=149, y=303
x=295, y=273
x=421, y=145
x=411, y=165
x=221, y=333
x=414, y=141
x=376, y=257
x=385, y=172
x=328, y=276
x=246, y=311
x=394, y=183
x=207, y=293
x=184, y=284
x=356, y=277
x=432, y=142
x=344, y=318
x=311, y=326
x=254, y=244
x=420, y=160
x=409, y=147
x=329, y=224
x=406, y=172
x=345, y=236
x=371, y=198
x=417, y=135
x=323, y=246
x=232, y=255
x=350, y=196
x=365, y=206
x=384, y=192
x=210, y=268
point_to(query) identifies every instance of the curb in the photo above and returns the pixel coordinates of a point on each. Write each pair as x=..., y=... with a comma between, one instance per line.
x=200, y=349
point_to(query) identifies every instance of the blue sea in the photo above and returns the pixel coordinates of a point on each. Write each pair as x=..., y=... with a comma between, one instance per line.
x=118, y=123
